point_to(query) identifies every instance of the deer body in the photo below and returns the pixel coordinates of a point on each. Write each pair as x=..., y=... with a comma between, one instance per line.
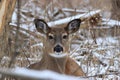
x=66, y=66
x=56, y=48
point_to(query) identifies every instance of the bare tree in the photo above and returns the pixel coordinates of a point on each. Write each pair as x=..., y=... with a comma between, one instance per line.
x=6, y=10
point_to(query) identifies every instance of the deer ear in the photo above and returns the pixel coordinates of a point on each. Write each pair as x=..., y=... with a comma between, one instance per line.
x=73, y=26
x=41, y=26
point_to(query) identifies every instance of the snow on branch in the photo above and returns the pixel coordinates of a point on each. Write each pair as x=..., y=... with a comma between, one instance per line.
x=110, y=22
x=73, y=10
x=65, y=20
x=37, y=75
x=68, y=19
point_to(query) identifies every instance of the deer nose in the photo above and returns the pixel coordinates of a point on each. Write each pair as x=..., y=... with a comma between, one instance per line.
x=58, y=48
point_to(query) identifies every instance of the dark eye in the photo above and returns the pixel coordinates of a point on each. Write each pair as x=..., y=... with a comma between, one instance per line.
x=65, y=36
x=50, y=37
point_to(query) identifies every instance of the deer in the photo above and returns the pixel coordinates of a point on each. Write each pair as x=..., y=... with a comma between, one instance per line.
x=56, y=48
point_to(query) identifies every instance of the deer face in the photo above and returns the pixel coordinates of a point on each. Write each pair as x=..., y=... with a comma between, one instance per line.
x=57, y=40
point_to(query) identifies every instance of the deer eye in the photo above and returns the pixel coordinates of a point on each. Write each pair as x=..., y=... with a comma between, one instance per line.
x=50, y=36
x=65, y=36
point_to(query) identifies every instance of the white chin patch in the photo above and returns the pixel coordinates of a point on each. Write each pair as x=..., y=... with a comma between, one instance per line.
x=58, y=55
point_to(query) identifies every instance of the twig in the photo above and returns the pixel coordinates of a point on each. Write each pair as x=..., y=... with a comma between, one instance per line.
x=16, y=52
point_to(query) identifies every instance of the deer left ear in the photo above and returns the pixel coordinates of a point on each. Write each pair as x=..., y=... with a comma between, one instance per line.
x=73, y=26
x=41, y=26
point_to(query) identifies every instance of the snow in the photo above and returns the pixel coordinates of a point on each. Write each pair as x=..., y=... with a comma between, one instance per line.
x=38, y=75
x=66, y=20
x=106, y=41
x=110, y=22
x=14, y=17
x=109, y=46
x=38, y=44
x=73, y=10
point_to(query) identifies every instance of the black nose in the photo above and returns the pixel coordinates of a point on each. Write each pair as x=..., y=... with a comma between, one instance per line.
x=58, y=48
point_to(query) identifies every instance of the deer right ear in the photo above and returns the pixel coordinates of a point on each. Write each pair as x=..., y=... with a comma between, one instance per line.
x=73, y=26
x=41, y=26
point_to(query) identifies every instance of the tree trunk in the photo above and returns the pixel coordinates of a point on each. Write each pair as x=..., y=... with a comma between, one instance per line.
x=6, y=10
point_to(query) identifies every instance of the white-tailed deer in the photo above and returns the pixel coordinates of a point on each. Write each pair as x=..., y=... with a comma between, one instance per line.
x=57, y=47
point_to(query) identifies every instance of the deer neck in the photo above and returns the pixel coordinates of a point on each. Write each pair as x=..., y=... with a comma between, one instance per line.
x=55, y=64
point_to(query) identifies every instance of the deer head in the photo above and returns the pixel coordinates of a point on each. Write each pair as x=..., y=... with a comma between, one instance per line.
x=57, y=40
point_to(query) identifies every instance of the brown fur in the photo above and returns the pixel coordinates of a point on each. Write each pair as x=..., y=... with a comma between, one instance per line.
x=66, y=66
x=53, y=38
